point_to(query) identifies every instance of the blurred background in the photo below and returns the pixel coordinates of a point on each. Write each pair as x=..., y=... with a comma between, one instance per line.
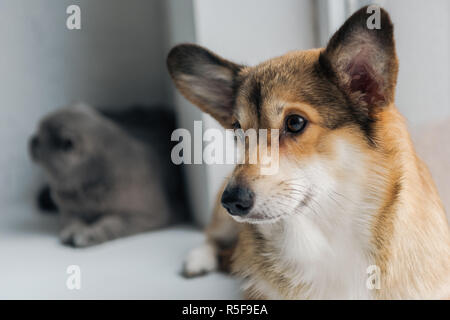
x=118, y=59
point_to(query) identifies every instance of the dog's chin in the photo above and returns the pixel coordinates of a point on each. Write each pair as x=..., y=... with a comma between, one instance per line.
x=256, y=218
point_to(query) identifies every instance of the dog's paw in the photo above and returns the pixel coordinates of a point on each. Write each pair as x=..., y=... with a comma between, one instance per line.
x=200, y=261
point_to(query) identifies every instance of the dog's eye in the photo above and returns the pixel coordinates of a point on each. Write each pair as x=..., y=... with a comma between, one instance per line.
x=295, y=123
x=65, y=145
x=238, y=131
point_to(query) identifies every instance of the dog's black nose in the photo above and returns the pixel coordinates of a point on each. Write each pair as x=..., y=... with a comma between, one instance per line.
x=238, y=200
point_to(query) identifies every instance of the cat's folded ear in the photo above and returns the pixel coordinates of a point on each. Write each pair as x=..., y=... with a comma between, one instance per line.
x=205, y=79
x=360, y=59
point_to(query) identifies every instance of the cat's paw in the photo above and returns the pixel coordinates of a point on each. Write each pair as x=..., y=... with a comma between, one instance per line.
x=200, y=261
x=79, y=236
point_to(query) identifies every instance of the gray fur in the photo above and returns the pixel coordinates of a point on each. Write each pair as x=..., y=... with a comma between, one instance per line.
x=105, y=183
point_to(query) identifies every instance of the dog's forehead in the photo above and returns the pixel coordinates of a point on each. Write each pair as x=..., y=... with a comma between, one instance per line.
x=266, y=89
x=281, y=72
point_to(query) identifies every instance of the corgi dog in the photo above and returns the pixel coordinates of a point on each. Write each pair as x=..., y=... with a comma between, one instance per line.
x=352, y=212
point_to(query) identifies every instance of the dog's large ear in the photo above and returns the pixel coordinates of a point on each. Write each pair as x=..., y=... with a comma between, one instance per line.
x=360, y=59
x=205, y=79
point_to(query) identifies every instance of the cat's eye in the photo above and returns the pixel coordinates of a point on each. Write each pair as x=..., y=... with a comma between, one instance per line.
x=65, y=144
x=295, y=123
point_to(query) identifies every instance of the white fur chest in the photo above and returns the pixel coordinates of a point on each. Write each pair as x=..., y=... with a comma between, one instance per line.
x=319, y=263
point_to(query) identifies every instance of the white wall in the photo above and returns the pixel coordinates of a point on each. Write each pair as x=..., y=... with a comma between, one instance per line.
x=423, y=46
x=117, y=58
x=181, y=29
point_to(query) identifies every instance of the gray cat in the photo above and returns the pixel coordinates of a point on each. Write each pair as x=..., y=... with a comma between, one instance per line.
x=105, y=183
